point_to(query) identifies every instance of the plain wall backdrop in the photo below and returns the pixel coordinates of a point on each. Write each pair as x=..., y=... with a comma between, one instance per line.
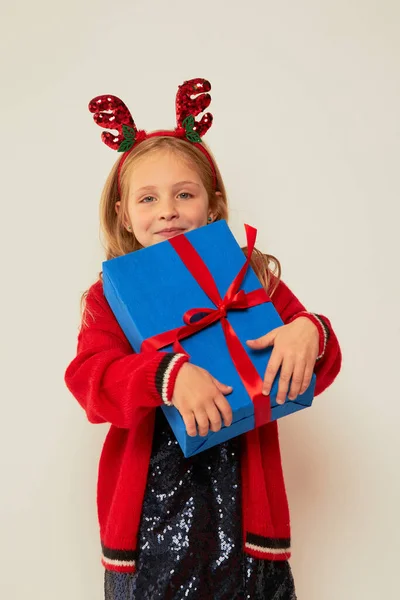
x=305, y=97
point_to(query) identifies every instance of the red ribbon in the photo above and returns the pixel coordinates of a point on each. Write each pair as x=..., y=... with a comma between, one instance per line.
x=235, y=299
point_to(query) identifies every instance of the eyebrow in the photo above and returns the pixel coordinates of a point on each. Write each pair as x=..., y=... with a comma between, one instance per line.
x=150, y=188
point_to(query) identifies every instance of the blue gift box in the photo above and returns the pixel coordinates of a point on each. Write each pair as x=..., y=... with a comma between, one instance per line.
x=150, y=290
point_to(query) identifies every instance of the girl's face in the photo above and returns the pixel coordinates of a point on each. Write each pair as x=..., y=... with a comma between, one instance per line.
x=166, y=198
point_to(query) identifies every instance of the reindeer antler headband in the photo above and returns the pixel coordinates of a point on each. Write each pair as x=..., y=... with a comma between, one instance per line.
x=111, y=113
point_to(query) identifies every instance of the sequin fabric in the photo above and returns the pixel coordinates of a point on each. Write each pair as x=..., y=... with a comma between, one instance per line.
x=187, y=105
x=111, y=113
x=190, y=537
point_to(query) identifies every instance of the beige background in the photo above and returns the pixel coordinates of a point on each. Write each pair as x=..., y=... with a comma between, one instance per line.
x=306, y=131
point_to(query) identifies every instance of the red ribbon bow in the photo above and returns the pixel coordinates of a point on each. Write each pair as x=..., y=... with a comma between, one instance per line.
x=235, y=299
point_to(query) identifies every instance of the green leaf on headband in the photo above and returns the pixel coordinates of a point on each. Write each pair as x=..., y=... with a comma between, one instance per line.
x=129, y=133
x=193, y=136
x=189, y=122
x=126, y=145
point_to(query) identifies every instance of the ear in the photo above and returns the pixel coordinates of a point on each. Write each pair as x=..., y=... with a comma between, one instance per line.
x=214, y=214
x=117, y=209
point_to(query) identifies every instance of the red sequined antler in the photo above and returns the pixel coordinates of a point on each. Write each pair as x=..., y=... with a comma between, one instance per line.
x=187, y=108
x=111, y=113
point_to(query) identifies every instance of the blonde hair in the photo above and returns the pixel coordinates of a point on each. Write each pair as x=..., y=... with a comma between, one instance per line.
x=117, y=241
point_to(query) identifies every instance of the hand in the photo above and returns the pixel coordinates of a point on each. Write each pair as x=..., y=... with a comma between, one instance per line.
x=295, y=351
x=199, y=398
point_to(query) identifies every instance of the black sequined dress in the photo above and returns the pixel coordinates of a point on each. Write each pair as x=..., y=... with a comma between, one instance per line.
x=190, y=538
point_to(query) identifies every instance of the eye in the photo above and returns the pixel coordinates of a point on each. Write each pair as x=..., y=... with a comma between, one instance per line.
x=185, y=195
x=147, y=199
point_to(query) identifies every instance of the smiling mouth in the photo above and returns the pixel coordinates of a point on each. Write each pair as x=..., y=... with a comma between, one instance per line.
x=170, y=232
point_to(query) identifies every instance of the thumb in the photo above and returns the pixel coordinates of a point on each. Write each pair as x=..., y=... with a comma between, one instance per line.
x=264, y=341
x=225, y=389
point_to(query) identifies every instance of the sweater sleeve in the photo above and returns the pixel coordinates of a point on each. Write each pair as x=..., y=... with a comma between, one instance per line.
x=328, y=366
x=110, y=381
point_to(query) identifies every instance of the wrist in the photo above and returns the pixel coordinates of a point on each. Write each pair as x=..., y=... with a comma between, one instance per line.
x=322, y=329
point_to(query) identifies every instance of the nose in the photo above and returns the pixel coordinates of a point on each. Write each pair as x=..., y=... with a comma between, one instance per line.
x=168, y=210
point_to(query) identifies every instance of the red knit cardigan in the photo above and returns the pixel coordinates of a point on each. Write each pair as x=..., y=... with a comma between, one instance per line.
x=118, y=386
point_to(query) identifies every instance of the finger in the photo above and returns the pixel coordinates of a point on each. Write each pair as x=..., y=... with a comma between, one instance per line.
x=224, y=408
x=190, y=424
x=214, y=417
x=262, y=342
x=308, y=373
x=297, y=378
x=222, y=387
x=202, y=422
x=284, y=379
x=271, y=371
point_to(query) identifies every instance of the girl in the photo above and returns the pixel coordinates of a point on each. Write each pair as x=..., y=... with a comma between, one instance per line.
x=209, y=526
